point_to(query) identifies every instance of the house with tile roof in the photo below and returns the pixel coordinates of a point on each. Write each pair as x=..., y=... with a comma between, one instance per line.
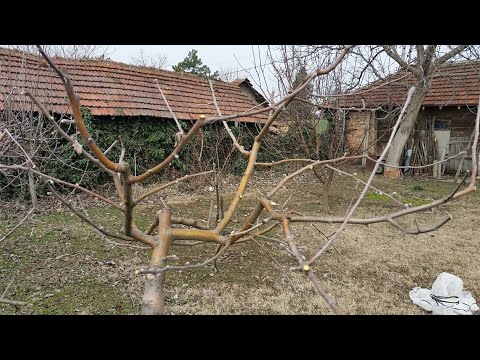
x=112, y=89
x=448, y=112
x=124, y=102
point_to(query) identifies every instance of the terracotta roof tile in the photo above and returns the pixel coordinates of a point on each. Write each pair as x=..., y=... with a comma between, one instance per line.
x=113, y=89
x=452, y=85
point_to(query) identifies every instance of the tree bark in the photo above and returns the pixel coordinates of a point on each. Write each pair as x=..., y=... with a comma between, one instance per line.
x=153, y=300
x=403, y=132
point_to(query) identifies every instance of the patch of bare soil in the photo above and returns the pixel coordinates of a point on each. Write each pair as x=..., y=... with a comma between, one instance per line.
x=61, y=266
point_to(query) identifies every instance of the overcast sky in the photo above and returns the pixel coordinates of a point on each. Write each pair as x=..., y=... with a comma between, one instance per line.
x=214, y=56
x=221, y=58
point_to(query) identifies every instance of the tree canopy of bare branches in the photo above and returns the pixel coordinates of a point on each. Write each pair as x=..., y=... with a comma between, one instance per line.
x=164, y=231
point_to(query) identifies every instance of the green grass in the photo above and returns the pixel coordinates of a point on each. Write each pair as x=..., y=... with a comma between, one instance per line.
x=377, y=196
x=411, y=200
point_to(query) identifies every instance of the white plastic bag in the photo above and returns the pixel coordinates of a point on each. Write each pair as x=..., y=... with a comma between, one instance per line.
x=446, y=297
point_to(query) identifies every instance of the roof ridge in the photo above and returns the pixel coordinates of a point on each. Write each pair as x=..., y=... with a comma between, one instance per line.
x=114, y=88
x=106, y=63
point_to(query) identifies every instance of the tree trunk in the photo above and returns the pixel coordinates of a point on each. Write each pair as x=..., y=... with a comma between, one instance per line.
x=153, y=300
x=403, y=133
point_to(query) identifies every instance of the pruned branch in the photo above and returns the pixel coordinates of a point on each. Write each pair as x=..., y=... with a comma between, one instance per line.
x=77, y=115
x=110, y=147
x=229, y=131
x=180, y=130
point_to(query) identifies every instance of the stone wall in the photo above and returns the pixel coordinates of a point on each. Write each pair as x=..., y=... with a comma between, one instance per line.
x=360, y=132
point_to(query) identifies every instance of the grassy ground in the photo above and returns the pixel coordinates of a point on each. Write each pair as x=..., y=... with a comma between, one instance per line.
x=61, y=266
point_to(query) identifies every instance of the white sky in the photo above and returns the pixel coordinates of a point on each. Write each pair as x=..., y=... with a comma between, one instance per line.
x=221, y=58
x=214, y=56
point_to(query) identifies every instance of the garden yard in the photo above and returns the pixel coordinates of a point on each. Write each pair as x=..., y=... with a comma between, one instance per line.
x=60, y=265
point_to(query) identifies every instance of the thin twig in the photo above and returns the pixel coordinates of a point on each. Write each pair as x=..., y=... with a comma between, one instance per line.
x=318, y=286
x=76, y=186
x=20, y=223
x=420, y=231
x=21, y=148
x=308, y=167
x=13, y=302
x=210, y=213
x=85, y=218
x=264, y=221
x=364, y=183
x=326, y=237
x=8, y=287
x=103, y=237
x=278, y=264
x=185, y=267
x=418, y=166
x=164, y=186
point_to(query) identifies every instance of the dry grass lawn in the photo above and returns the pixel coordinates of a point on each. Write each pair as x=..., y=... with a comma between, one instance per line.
x=61, y=266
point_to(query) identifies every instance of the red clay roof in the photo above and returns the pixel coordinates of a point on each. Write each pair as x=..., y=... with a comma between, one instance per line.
x=117, y=89
x=452, y=85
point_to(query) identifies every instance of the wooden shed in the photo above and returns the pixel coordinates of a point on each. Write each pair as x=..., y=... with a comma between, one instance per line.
x=448, y=114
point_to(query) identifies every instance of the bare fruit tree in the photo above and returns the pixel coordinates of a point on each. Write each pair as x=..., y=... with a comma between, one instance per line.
x=428, y=59
x=164, y=231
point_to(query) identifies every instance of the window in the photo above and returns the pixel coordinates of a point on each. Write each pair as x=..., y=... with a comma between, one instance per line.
x=441, y=124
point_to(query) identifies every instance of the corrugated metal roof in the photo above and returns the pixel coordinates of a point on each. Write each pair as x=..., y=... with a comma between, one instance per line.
x=113, y=89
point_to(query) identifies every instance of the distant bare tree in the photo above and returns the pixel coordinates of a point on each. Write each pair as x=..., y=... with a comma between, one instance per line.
x=152, y=61
x=70, y=51
x=228, y=74
x=426, y=61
